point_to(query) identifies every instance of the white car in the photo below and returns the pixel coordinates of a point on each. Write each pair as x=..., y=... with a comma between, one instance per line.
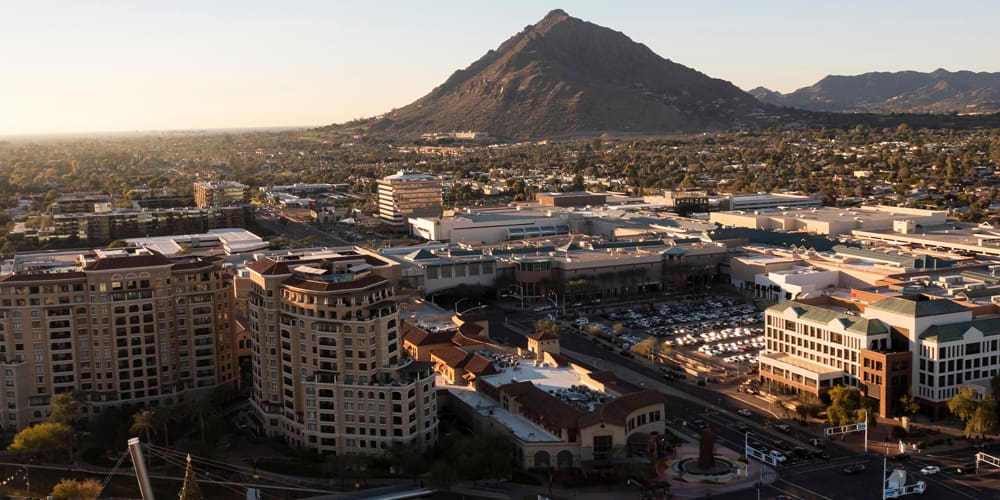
x=745, y=412
x=778, y=456
x=930, y=469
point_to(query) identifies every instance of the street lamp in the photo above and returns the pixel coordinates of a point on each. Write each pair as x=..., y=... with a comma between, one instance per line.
x=555, y=302
x=866, y=429
x=520, y=293
x=459, y=302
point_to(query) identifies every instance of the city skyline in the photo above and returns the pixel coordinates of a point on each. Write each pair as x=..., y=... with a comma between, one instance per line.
x=84, y=67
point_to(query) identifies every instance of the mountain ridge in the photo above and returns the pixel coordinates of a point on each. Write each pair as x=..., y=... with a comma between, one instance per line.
x=565, y=76
x=937, y=92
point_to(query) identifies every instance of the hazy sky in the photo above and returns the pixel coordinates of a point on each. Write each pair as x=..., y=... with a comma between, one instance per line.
x=89, y=65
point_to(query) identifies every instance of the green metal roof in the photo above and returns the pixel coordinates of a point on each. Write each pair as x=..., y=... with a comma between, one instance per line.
x=956, y=331
x=919, y=308
x=868, y=327
x=855, y=324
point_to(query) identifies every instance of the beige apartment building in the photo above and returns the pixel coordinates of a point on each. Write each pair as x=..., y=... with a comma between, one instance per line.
x=220, y=193
x=121, y=326
x=329, y=372
x=405, y=194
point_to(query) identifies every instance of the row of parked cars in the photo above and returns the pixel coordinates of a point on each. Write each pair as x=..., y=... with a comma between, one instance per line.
x=710, y=336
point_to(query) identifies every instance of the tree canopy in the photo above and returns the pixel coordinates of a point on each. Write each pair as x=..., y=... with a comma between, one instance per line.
x=72, y=489
x=65, y=408
x=845, y=401
x=44, y=439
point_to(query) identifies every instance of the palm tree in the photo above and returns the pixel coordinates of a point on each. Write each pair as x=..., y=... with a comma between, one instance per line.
x=143, y=422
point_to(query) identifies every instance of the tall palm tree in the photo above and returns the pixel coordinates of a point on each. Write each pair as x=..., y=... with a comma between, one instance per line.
x=143, y=422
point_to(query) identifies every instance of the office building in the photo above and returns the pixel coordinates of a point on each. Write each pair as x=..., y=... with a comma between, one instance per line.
x=329, y=372
x=886, y=345
x=406, y=194
x=121, y=326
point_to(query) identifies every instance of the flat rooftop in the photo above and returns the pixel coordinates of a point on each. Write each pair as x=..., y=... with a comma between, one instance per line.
x=547, y=378
x=232, y=240
x=521, y=427
x=805, y=364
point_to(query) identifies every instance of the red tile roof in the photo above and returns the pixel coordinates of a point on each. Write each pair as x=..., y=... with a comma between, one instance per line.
x=542, y=336
x=480, y=366
x=541, y=406
x=460, y=338
x=618, y=409
x=450, y=355
x=419, y=337
x=71, y=275
x=268, y=267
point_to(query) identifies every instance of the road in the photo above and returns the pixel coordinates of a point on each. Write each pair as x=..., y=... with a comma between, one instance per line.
x=299, y=230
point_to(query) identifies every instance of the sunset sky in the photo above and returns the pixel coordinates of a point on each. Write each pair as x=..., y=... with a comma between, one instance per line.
x=84, y=66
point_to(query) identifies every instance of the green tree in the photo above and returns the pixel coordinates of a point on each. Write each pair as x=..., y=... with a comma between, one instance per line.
x=143, y=423
x=983, y=419
x=909, y=405
x=963, y=405
x=807, y=404
x=443, y=475
x=979, y=416
x=845, y=401
x=617, y=329
x=66, y=408
x=485, y=456
x=546, y=326
x=407, y=460
x=72, y=489
x=44, y=439
x=645, y=348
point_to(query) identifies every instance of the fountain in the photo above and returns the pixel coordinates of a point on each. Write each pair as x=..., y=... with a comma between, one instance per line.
x=707, y=466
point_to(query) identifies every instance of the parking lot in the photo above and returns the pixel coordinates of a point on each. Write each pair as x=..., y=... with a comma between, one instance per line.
x=725, y=329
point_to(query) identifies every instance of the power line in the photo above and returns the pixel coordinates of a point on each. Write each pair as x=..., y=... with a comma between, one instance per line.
x=118, y=464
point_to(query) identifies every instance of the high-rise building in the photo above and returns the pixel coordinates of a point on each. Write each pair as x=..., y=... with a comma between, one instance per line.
x=220, y=193
x=407, y=194
x=329, y=374
x=120, y=326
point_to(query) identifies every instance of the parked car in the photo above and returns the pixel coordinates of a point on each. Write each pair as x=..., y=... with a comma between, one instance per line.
x=783, y=428
x=745, y=412
x=854, y=469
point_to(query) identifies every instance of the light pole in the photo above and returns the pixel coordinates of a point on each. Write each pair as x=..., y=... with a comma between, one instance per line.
x=459, y=302
x=555, y=302
x=866, y=429
x=520, y=293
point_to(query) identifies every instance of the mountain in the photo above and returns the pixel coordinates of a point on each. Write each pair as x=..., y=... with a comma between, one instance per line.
x=940, y=91
x=568, y=77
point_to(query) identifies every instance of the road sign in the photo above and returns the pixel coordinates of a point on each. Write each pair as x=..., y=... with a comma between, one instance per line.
x=862, y=426
x=891, y=493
